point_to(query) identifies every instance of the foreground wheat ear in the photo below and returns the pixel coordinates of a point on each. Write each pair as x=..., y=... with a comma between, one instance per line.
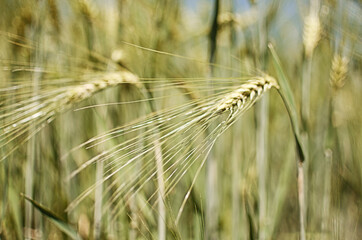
x=35, y=105
x=130, y=165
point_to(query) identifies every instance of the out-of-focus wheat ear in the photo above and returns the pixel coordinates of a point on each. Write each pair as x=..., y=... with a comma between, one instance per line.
x=88, y=9
x=88, y=12
x=339, y=70
x=337, y=79
x=311, y=33
x=54, y=15
x=23, y=20
x=240, y=21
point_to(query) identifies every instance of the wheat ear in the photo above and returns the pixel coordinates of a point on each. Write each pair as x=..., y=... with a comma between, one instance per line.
x=246, y=95
x=182, y=121
x=43, y=107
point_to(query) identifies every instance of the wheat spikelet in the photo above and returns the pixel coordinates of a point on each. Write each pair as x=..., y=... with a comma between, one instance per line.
x=311, y=33
x=339, y=71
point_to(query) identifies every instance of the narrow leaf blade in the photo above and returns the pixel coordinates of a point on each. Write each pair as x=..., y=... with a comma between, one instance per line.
x=289, y=102
x=61, y=224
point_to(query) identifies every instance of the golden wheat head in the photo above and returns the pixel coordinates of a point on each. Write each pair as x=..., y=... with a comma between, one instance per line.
x=245, y=96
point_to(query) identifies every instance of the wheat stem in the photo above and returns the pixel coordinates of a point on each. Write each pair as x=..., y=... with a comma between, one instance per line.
x=161, y=191
x=311, y=37
x=301, y=199
x=212, y=211
x=98, y=202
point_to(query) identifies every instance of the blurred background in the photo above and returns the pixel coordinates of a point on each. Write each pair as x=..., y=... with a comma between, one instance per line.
x=179, y=54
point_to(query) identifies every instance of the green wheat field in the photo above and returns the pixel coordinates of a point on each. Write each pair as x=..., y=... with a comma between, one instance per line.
x=171, y=119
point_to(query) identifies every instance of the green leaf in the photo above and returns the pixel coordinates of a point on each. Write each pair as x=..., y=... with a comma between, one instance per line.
x=288, y=99
x=61, y=224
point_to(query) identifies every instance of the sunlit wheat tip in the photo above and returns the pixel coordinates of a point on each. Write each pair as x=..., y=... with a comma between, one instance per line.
x=311, y=34
x=246, y=95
